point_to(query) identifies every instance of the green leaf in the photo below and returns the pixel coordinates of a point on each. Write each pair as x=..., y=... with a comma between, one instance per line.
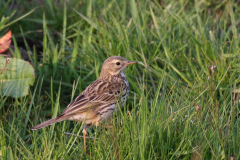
x=94, y=25
x=16, y=77
x=10, y=154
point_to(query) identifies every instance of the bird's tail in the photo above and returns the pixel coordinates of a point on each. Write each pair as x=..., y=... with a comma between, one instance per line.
x=47, y=123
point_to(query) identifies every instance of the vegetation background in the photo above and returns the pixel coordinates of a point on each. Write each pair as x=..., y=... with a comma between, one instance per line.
x=184, y=99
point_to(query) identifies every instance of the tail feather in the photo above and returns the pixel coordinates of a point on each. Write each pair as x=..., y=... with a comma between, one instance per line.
x=47, y=123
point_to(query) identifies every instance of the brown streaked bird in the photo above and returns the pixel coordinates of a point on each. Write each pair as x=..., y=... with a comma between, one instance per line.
x=98, y=101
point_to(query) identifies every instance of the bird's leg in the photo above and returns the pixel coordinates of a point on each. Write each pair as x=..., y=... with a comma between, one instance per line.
x=104, y=126
x=84, y=139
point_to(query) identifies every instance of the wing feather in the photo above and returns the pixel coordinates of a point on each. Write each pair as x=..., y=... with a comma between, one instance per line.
x=98, y=94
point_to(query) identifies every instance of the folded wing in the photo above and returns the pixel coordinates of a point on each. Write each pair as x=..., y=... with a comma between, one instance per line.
x=96, y=95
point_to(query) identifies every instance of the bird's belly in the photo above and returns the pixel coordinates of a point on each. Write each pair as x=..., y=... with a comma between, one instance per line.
x=78, y=118
x=106, y=111
x=83, y=117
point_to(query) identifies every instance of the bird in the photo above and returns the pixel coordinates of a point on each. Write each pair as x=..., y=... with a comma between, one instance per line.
x=100, y=99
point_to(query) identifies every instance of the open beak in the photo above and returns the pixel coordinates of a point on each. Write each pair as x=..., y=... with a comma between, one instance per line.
x=130, y=62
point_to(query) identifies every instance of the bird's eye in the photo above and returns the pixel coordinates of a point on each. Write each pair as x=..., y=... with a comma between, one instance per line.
x=118, y=63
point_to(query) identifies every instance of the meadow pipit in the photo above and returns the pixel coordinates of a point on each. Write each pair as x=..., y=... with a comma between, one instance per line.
x=98, y=101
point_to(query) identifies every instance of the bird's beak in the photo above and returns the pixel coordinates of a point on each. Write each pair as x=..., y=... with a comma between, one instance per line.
x=130, y=62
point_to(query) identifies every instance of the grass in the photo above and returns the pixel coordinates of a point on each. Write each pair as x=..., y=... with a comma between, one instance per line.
x=184, y=96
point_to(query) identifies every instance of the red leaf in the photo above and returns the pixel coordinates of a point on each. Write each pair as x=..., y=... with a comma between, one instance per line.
x=5, y=41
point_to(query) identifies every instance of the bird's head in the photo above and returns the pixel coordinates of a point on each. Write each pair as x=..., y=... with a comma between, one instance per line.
x=115, y=65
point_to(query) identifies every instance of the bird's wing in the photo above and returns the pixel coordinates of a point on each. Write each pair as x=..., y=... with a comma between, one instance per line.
x=97, y=94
